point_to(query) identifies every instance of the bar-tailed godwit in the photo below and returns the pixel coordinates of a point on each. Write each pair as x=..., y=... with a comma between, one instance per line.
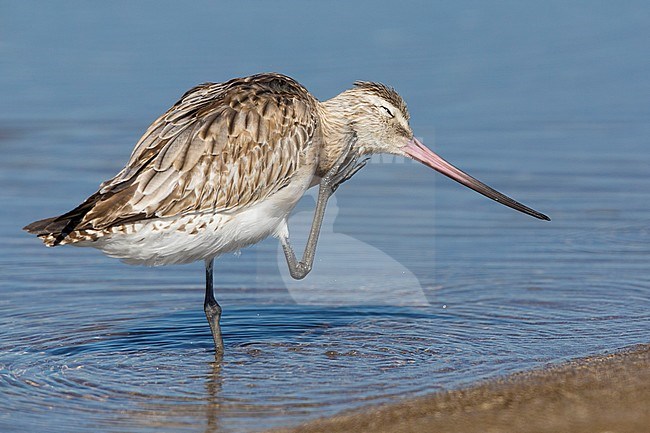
x=223, y=168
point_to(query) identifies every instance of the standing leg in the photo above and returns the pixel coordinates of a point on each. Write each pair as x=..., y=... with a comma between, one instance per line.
x=345, y=167
x=212, y=309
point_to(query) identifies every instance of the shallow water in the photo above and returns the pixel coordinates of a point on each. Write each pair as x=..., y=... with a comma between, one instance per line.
x=419, y=284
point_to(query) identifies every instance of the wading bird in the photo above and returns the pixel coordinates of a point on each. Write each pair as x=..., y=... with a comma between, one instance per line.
x=223, y=168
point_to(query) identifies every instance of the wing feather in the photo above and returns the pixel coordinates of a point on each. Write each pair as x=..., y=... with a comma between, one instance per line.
x=222, y=147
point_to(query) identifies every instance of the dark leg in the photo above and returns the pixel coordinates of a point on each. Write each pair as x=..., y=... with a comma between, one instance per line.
x=300, y=269
x=212, y=309
x=344, y=168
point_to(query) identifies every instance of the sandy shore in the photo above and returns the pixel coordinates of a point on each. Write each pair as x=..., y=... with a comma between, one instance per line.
x=609, y=393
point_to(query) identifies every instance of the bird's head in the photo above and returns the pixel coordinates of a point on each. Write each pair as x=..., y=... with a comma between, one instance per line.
x=379, y=120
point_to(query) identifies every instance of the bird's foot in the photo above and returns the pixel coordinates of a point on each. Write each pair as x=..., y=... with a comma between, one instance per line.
x=346, y=166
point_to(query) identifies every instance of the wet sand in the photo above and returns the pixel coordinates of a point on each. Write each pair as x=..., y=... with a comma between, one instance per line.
x=607, y=393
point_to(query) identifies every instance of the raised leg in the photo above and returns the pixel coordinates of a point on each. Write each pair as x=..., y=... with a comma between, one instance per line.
x=212, y=309
x=345, y=167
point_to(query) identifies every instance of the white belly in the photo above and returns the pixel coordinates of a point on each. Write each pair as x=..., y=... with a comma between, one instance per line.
x=193, y=237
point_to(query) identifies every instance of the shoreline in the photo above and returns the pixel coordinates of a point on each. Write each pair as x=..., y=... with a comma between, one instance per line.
x=600, y=393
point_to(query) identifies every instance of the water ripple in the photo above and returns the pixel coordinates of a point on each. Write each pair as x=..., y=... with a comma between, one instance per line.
x=89, y=344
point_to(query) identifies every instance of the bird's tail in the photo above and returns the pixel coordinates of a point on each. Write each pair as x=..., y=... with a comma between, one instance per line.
x=54, y=231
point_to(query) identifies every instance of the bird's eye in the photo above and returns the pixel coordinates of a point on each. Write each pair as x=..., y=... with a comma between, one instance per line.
x=387, y=110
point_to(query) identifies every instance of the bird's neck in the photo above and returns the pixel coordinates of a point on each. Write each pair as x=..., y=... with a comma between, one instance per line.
x=337, y=130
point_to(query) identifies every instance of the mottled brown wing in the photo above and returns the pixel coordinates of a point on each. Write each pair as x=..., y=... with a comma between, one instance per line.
x=220, y=148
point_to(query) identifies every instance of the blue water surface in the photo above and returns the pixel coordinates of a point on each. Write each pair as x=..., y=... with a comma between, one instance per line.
x=419, y=284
